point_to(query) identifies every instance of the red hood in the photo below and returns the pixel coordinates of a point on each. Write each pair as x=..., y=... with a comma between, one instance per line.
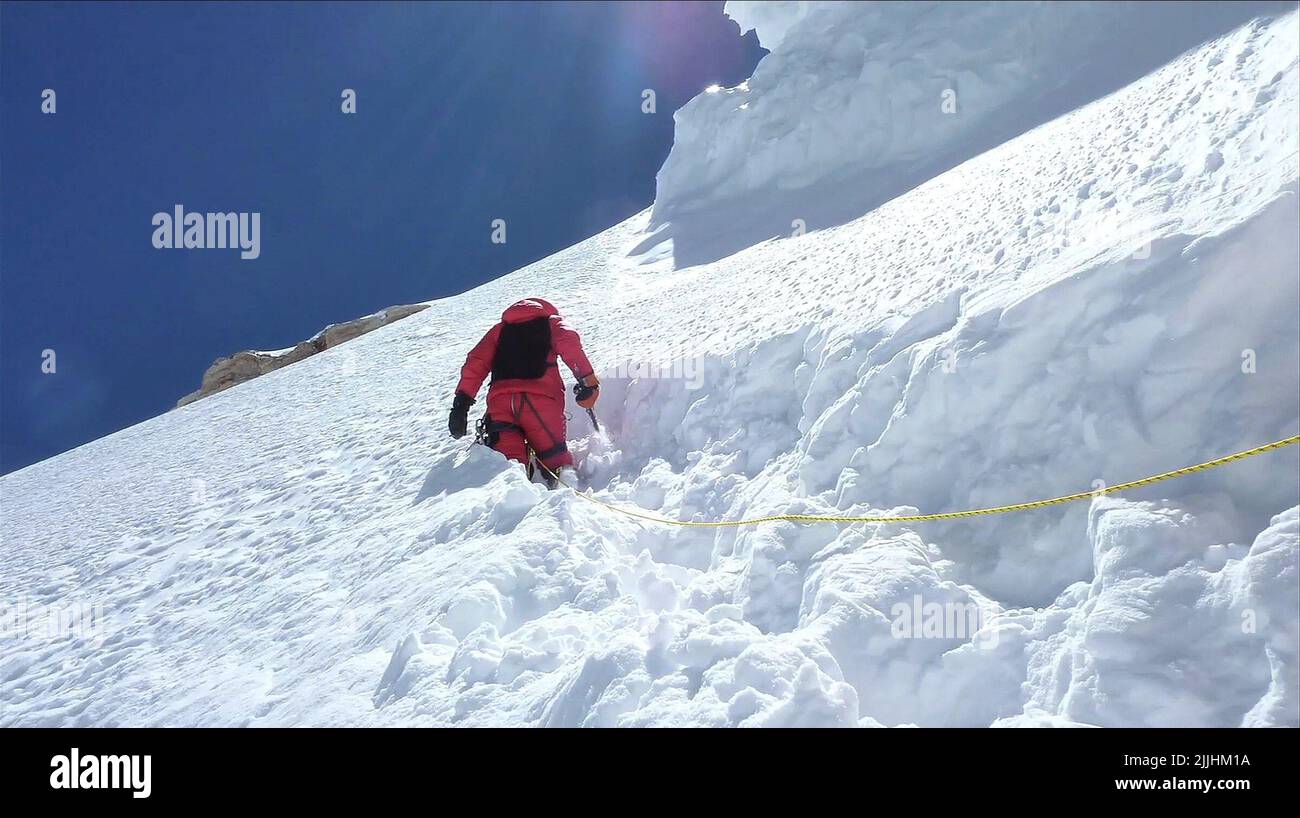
x=527, y=310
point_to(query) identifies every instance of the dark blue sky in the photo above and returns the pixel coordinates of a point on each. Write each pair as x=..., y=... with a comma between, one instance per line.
x=465, y=113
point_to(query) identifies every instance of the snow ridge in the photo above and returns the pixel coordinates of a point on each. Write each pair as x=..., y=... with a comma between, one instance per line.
x=860, y=102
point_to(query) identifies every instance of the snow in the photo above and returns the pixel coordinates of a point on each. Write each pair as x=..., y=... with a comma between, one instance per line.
x=860, y=102
x=1075, y=304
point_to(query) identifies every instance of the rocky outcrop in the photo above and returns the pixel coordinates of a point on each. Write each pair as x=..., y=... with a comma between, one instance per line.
x=244, y=366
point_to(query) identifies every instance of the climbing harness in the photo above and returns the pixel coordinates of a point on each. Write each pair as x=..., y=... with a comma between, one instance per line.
x=487, y=432
x=558, y=444
x=950, y=515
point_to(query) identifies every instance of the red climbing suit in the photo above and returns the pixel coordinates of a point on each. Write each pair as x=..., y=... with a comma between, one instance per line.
x=534, y=406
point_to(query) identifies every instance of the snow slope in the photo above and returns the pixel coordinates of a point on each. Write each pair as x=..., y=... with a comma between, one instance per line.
x=1077, y=304
x=860, y=102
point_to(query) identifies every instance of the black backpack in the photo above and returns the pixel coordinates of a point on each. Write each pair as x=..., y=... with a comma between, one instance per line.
x=522, y=350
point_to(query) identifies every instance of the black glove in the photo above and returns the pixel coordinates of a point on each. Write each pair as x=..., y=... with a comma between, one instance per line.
x=458, y=421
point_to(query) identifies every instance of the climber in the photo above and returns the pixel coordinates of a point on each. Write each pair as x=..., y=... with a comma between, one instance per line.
x=525, y=401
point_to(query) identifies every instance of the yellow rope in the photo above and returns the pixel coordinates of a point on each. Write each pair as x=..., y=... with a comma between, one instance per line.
x=949, y=515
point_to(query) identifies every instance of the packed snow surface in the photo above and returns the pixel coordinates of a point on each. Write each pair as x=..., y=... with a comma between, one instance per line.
x=1107, y=296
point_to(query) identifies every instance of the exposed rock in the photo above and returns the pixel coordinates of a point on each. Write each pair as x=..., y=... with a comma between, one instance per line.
x=244, y=366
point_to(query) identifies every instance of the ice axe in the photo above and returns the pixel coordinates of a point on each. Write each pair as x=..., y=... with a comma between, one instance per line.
x=581, y=391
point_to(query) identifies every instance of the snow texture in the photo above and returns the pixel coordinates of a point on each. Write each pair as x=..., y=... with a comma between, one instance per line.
x=1109, y=295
